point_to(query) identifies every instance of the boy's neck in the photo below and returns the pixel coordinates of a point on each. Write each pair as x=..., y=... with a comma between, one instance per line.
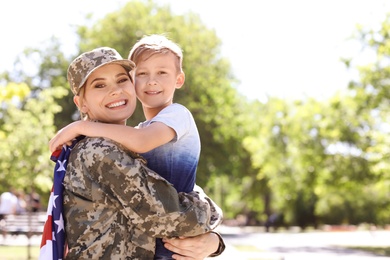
x=149, y=113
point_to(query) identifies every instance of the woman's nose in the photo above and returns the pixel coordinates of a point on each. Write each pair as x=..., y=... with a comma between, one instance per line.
x=115, y=89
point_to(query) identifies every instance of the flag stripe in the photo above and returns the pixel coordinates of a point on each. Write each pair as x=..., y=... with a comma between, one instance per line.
x=53, y=244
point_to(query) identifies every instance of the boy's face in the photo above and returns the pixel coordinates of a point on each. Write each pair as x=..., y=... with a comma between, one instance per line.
x=156, y=79
x=109, y=95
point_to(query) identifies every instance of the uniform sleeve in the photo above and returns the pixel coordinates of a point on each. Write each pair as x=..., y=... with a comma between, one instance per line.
x=221, y=246
x=147, y=199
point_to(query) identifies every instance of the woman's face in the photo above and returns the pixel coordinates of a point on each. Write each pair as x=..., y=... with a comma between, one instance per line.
x=109, y=95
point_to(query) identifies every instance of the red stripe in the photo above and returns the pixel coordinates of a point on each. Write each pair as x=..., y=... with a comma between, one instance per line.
x=47, y=231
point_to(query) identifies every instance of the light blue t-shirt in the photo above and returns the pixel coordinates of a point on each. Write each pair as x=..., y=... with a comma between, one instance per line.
x=177, y=160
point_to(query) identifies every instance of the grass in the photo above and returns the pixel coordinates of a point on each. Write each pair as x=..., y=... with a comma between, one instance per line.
x=19, y=252
x=380, y=251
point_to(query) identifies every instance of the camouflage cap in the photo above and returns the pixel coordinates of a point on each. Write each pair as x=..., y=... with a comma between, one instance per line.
x=81, y=67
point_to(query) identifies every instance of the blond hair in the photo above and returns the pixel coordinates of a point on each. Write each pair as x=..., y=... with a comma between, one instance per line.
x=155, y=44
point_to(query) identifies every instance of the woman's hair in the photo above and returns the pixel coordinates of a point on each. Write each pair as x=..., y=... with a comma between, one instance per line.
x=83, y=116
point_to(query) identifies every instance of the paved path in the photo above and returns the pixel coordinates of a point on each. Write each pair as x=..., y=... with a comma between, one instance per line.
x=301, y=246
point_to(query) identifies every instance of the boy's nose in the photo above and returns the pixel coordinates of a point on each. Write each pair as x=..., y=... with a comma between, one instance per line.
x=152, y=81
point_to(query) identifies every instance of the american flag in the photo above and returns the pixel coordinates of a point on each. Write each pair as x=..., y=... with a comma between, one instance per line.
x=53, y=244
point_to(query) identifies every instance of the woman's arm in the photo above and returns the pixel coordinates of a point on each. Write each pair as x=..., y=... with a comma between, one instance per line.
x=147, y=198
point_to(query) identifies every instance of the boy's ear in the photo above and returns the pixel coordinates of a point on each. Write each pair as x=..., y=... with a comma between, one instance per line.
x=180, y=80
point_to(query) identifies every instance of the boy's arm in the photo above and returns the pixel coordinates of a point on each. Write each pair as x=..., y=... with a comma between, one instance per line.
x=137, y=140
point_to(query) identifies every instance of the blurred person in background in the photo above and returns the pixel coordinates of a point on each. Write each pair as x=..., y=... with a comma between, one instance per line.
x=34, y=201
x=8, y=203
x=21, y=206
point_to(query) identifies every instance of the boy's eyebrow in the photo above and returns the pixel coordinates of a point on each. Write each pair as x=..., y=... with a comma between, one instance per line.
x=164, y=66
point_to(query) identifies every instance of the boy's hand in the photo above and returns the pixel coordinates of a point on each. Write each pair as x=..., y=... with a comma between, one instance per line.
x=64, y=136
x=194, y=248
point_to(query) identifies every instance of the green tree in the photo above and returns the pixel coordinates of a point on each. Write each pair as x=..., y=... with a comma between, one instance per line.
x=41, y=68
x=371, y=93
x=25, y=129
x=311, y=156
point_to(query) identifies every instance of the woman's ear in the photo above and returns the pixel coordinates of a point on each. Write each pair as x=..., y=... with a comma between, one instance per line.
x=77, y=100
x=180, y=80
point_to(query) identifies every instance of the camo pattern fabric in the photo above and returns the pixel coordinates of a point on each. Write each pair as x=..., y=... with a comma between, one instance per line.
x=115, y=206
x=81, y=67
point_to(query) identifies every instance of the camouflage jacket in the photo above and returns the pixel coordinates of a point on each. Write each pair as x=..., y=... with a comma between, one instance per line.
x=115, y=206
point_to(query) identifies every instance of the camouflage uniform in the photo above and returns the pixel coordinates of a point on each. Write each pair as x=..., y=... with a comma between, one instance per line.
x=115, y=206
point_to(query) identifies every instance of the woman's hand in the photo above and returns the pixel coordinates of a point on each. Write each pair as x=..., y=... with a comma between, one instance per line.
x=194, y=248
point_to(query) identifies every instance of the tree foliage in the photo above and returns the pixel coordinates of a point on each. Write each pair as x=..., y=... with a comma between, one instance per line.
x=25, y=129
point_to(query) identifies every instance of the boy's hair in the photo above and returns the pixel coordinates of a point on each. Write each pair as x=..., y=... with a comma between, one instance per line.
x=155, y=44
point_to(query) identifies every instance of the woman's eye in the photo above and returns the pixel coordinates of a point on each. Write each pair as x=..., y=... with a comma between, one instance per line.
x=123, y=80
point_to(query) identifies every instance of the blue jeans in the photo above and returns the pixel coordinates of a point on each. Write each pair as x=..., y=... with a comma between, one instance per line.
x=161, y=252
